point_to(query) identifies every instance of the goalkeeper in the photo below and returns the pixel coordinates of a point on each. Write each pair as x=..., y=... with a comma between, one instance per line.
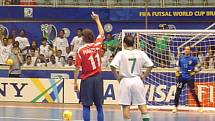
x=187, y=67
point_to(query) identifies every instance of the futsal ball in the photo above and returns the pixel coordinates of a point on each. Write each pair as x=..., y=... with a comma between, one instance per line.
x=67, y=115
x=9, y=62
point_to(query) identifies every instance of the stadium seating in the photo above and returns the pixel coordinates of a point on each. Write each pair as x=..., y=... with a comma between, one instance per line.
x=183, y=2
x=154, y=2
x=170, y=2
x=198, y=2
x=210, y=2
x=45, y=2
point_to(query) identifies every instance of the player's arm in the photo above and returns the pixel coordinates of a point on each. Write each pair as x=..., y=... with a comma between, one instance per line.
x=77, y=69
x=114, y=65
x=76, y=73
x=115, y=73
x=148, y=65
x=197, y=67
x=95, y=17
x=146, y=73
x=177, y=69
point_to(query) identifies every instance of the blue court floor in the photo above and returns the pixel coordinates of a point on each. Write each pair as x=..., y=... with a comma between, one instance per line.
x=53, y=112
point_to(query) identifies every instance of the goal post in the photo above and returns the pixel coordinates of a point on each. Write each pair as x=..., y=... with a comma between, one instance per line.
x=164, y=48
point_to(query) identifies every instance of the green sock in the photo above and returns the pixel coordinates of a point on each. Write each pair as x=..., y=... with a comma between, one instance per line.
x=145, y=116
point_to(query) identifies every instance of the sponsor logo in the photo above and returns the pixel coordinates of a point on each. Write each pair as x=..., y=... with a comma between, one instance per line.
x=49, y=32
x=4, y=30
x=17, y=87
x=205, y=92
x=28, y=12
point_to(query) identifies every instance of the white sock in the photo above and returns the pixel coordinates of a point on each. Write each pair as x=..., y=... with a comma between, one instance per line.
x=127, y=119
x=145, y=115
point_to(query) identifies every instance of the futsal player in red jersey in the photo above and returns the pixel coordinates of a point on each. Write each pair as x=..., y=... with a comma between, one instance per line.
x=89, y=60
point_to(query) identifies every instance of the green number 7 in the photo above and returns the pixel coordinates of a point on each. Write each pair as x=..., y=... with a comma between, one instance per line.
x=133, y=60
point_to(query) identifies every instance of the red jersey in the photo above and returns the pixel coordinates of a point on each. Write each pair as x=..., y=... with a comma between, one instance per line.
x=88, y=58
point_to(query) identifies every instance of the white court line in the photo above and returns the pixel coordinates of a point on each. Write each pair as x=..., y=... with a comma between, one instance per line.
x=40, y=119
x=37, y=119
x=49, y=107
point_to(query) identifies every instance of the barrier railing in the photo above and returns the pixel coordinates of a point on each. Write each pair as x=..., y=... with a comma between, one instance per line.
x=107, y=3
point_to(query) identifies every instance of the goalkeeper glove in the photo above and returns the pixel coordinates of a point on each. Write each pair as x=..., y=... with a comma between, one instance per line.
x=177, y=74
x=191, y=73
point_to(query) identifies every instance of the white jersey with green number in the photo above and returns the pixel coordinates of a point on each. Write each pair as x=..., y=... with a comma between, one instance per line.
x=131, y=62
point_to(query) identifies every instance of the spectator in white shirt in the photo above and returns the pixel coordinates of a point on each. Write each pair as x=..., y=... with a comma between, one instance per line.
x=70, y=62
x=110, y=60
x=51, y=50
x=13, y=35
x=33, y=55
x=41, y=61
x=76, y=42
x=29, y=62
x=59, y=58
x=5, y=51
x=44, y=48
x=104, y=58
x=210, y=58
x=23, y=42
x=35, y=47
x=10, y=42
x=53, y=62
x=61, y=43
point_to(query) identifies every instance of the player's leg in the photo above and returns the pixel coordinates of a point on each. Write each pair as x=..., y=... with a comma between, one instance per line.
x=86, y=113
x=179, y=86
x=192, y=90
x=139, y=98
x=144, y=113
x=126, y=112
x=86, y=97
x=100, y=114
x=125, y=97
x=98, y=96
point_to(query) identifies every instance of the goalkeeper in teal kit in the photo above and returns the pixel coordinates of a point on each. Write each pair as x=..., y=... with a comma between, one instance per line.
x=188, y=66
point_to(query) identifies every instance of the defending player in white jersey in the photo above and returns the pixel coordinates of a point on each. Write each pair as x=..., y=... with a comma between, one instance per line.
x=130, y=63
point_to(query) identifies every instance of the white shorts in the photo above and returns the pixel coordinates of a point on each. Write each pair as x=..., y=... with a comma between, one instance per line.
x=131, y=91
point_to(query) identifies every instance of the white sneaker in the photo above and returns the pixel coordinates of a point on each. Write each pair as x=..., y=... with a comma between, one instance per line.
x=200, y=110
x=174, y=110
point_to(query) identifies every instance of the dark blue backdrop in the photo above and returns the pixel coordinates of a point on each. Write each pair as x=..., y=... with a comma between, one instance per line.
x=120, y=18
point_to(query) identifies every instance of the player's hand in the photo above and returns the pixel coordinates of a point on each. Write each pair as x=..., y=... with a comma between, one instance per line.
x=94, y=16
x=76, y=87
x=119, y=78
x=142, y=77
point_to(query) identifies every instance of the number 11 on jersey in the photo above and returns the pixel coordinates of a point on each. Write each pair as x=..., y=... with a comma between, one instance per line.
x=92, y=60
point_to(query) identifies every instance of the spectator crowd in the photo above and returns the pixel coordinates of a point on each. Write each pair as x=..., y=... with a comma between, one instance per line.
x=59, y=53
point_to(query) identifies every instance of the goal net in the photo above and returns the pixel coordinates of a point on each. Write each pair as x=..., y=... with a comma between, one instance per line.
x=164, y=47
